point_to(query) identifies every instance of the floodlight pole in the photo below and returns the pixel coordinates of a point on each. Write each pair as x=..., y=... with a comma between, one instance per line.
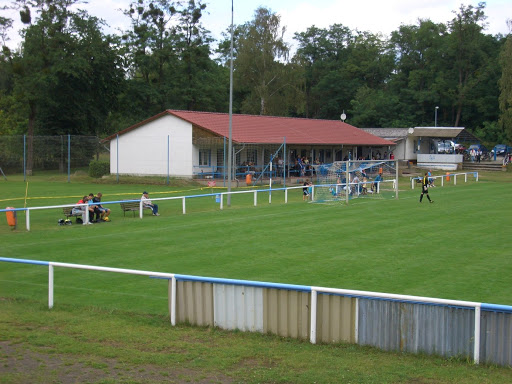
x=230, y=145
x=435, y=118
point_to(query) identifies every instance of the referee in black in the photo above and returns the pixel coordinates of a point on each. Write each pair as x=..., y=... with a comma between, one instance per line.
x=424, y=188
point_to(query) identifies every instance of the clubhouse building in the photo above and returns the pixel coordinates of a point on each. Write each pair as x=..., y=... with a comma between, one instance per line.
x=195, y=144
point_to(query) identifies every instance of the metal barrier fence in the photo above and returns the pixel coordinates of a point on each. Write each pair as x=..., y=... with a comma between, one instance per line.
x=413, y=324
x=446, y=177
x=219, y=199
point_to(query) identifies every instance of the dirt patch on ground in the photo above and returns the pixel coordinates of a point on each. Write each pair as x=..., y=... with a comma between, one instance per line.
x=20, y=364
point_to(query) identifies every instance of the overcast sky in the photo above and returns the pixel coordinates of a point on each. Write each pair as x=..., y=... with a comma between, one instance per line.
x=297, y=15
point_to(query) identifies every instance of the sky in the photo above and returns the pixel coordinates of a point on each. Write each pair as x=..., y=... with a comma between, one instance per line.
x=376, y=16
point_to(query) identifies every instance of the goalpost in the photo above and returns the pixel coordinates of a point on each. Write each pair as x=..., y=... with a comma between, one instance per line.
x=341, y=181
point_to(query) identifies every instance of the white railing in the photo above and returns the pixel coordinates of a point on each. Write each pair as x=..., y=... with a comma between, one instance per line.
x=447, y=177
x=313, y=290
x=219, y=195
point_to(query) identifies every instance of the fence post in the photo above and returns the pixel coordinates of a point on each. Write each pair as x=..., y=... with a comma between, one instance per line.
x=476, y=350
x=69, y=158
x=27, y=219
x=395, y=182
x=255, y=198
x=168, y=156
x=117, y=158
x=312, y=332
x=173, y=301
x=141, y=209
x=50, y=286
x=284, y=161
x=221, y=201
x=24, y=157
x=184, y=205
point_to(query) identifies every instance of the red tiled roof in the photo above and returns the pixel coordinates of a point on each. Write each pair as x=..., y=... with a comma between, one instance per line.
x=272, y=130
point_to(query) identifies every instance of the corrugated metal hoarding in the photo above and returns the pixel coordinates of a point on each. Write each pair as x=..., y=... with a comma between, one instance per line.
x=416, y=327
x=286, y=313
x=336, y=319
x=194, y=302
x=496, y=338
x=387, y=321
x=238, y=307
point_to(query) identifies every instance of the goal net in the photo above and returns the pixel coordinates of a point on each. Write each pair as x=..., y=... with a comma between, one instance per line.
x=344, y=180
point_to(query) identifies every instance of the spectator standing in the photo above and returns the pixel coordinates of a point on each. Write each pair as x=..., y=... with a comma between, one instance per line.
x=146, y=202
x=305, y=191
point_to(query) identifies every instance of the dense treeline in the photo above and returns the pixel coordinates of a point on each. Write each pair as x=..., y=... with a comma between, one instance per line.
x=69, y=77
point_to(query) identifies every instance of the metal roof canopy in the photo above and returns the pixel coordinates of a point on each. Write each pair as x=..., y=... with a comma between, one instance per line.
x=447, y=132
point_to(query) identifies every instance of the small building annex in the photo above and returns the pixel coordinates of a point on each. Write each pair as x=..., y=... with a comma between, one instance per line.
x=421, y=144
x=195, y=144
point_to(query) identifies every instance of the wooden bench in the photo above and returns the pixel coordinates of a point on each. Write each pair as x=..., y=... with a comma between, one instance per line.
x=132, y=206
x=68, y=212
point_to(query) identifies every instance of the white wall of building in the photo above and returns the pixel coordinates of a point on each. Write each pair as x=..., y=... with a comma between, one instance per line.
x=144, y=150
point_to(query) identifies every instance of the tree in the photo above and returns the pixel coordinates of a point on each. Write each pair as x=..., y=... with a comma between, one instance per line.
x=66, y=73
x=322, y=52
x=258, y=71
x=169, y=60
x=201, y=81
x=416, y=78
x=505, y=83
x=467, y=54
x=375, y=108
x=150, y=52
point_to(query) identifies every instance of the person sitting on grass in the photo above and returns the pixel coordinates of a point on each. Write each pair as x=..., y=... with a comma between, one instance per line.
x=147, y=203
x=104, y=212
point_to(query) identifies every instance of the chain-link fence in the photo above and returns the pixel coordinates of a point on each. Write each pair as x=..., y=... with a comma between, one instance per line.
x=27, y=154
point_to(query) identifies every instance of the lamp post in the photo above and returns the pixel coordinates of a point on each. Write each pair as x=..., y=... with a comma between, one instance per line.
x=230, y=140
x=435, y=119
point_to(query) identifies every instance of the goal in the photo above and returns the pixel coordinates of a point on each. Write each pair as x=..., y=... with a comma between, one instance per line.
x=341, y=181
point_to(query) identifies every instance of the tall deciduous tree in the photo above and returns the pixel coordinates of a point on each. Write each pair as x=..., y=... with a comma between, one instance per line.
x=418, y=67
x=505, y=83
x=322, y=53
x=468, y=57
x=258, y=70
x=151, y=51
x=201, y=81
x=66, y=72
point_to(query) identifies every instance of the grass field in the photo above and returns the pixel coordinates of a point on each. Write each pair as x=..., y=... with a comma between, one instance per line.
x=457, y=248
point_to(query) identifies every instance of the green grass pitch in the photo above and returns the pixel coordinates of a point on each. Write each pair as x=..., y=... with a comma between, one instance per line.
x=457, y=248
